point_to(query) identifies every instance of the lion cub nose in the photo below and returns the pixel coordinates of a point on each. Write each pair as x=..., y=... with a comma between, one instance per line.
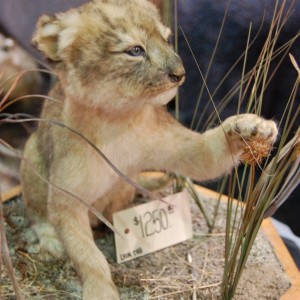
x=176, y=77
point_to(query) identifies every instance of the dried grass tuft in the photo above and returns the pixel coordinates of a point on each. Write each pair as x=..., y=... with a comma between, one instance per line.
x=255, y=151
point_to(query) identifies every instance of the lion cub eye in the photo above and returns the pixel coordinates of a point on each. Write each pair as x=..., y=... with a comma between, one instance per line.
x=136, y=51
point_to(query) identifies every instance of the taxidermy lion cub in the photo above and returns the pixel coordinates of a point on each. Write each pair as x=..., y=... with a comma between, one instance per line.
x=116, y=71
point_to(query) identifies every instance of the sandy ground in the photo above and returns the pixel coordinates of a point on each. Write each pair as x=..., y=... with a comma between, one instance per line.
x=166, y=274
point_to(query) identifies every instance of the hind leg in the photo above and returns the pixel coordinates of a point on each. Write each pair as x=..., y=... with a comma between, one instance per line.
x=35, y=194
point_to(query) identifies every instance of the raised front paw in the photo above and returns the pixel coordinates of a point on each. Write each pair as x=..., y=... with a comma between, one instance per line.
x=245, y=128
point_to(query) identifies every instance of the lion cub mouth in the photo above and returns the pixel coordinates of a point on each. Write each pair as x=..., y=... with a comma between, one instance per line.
x=164, y=97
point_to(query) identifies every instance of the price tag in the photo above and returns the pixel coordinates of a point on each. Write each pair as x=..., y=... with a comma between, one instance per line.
x=152, y=226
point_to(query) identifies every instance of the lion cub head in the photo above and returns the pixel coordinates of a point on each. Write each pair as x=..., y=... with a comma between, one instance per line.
x=112, y=54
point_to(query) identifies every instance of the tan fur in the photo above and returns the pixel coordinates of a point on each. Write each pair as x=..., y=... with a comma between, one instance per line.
x=116, y=101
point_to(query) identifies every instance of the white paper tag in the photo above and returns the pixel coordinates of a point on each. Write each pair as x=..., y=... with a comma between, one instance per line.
x=152, y=226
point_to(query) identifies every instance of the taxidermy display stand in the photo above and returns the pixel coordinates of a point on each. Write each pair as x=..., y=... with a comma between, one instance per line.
x=268, y=230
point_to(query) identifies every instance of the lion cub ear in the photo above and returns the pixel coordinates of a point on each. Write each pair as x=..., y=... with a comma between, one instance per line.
x=55, y=33
x=46, y=37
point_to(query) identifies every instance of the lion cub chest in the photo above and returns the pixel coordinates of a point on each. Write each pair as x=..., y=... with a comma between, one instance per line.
x=108, y=150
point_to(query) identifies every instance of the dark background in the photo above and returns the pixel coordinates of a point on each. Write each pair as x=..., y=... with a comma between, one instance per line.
x=201, y=21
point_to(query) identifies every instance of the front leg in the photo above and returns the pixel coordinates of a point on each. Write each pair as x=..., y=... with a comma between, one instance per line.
x=213, y=153
x=71, y=222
